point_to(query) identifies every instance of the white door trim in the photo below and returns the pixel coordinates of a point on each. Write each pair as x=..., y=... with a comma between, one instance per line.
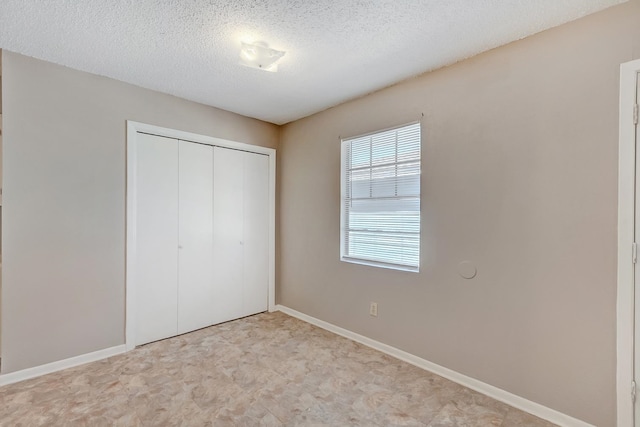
x=133, y=128
x=626, y=219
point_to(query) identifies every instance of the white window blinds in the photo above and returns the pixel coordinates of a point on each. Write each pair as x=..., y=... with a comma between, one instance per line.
x=381, y=198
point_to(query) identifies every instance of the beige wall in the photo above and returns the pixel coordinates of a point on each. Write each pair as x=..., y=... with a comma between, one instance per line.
x=64, y=202
x=519, y=177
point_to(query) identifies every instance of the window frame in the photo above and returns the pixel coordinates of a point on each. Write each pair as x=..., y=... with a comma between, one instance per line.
x=344, y=144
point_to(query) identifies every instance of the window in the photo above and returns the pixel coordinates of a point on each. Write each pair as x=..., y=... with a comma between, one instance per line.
x=380, y=206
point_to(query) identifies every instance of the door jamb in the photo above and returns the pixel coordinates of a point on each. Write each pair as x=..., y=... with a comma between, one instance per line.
x=133, y=128
x=626, y=222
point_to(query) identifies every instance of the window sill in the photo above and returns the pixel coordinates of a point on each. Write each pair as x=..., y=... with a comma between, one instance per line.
x=381, y=264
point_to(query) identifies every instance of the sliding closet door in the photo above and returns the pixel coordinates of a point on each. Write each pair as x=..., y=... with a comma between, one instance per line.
x=256, y=233
x=156, y=271
x=196, y=293
x=241, y=230
x=201, y=243
x=228, y=265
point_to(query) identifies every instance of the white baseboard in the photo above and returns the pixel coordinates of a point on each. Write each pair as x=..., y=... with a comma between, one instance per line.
x=511, y=399
x=49, y=368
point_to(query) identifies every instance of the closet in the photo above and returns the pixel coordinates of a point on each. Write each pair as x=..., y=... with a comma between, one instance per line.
x=201, y=216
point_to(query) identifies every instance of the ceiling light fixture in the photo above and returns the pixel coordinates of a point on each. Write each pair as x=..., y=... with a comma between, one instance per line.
x=259, y=55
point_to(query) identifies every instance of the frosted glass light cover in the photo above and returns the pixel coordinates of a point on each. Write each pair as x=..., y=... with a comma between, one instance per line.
x=259, y=55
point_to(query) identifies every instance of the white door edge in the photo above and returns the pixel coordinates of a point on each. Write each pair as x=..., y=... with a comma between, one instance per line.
x=133, y=128
x=626, y=220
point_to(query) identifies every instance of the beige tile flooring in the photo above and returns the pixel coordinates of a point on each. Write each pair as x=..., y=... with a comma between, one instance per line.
x=264, y=370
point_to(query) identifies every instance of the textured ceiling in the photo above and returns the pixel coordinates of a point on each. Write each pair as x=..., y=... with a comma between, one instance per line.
x=336, y=50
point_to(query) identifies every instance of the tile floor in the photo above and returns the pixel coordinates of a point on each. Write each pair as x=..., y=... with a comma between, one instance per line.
x=264, y=370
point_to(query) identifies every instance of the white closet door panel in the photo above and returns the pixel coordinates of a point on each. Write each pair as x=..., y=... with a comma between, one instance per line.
x=228, y=174
x=157, y=237
x=256, y=233
x=196, y=293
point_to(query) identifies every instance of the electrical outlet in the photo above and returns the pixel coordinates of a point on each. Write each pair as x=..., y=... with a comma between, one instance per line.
x=373, y=309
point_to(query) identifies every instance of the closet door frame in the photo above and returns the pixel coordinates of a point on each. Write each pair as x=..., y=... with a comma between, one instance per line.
x=135, y=128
